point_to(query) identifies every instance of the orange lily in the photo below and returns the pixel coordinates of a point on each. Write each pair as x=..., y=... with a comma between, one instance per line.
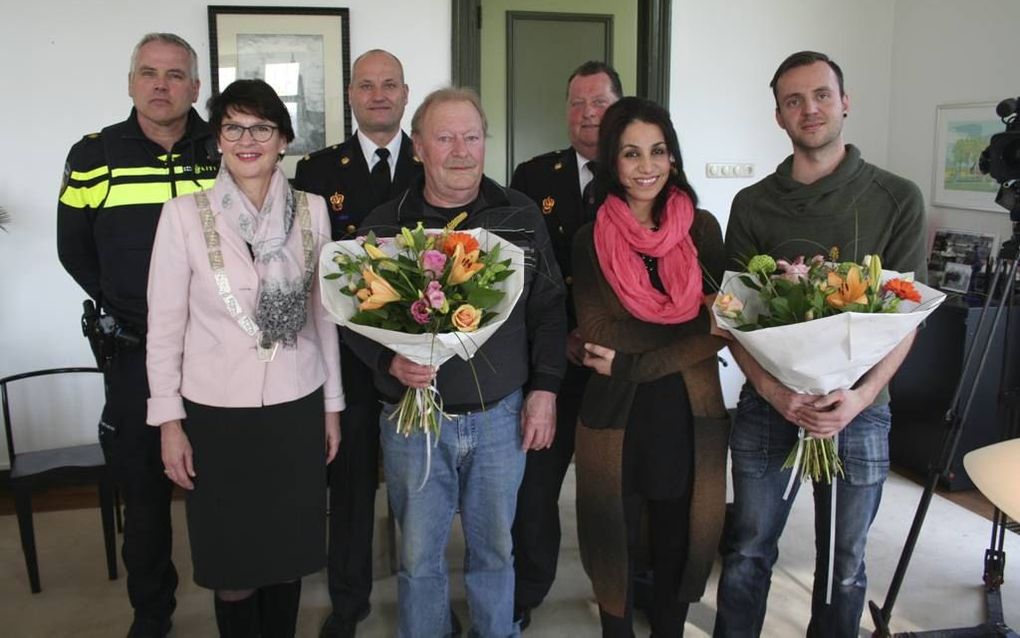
x=464, y=265
x=851, y=290
x=380, y=292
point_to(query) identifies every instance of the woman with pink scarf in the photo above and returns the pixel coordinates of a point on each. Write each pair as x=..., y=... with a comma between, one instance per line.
x=651, y=441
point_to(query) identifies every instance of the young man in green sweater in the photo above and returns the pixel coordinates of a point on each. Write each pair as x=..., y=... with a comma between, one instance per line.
x=822, y=196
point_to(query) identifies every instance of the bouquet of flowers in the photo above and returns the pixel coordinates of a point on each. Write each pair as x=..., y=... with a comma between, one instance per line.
x=818, y=326
x=427, y=294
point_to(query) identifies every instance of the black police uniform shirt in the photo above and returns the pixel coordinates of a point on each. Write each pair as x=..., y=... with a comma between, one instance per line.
x=552, y=180
x=115, y=184
x=340, y=174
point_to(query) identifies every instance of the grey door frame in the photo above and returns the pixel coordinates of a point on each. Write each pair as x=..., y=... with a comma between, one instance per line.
x=654, y=28
x=513, y=16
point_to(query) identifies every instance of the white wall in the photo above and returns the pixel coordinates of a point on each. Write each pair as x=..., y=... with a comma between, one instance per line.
x=944, y=52
x=64, y=74
x=724, y=55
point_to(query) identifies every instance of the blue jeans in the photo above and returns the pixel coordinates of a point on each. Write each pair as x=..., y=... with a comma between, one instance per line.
x=759, y=442
x=476, y=467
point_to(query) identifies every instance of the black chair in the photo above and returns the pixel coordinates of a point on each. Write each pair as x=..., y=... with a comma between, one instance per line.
x=77, y=465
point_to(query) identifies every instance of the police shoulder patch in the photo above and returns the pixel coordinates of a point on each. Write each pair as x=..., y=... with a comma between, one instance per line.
x=65, y=178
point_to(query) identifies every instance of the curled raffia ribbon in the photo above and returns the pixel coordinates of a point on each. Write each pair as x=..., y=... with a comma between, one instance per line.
x=797, y=472
x=424, y=411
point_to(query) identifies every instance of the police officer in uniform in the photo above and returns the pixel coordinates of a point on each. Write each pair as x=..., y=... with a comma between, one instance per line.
x=558, y=181
x=373, y=166
x=115, y=184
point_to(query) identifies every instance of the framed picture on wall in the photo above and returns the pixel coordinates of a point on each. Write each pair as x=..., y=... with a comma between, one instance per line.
x=958, y=259
x=962, y=131
x=303, y=53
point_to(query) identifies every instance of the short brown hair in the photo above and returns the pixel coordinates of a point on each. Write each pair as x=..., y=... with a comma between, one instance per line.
x=804, y=58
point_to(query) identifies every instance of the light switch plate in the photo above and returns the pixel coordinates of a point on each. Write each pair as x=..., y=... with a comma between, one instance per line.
x=729, y=169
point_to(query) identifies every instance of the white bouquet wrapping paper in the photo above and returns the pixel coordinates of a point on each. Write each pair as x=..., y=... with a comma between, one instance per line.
x=424, y=349
x=822, y=355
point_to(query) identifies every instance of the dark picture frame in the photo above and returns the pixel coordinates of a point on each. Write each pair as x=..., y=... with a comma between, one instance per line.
x=303, y=52
x=958, y=259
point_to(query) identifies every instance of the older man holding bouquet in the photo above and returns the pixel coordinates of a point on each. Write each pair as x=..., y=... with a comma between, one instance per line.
x=496, y=406
x=823, y=196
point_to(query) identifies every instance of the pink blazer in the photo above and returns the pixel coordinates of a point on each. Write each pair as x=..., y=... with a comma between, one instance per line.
x=195, y=349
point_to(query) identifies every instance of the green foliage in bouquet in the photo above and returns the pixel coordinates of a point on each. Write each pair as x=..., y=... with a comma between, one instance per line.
x=436, y=281
x=798, y=291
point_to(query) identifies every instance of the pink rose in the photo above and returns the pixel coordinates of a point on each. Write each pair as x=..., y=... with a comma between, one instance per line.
x=420, y=312
x=433, y=261
x=435, y=295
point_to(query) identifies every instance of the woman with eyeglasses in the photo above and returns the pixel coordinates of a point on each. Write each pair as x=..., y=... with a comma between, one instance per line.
x=244, y=370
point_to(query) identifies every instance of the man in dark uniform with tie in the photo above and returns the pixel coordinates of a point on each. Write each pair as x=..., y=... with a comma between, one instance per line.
x=373, y=166
x=557, y=182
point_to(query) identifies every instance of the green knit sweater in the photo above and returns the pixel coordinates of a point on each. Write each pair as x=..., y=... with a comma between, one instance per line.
x=859, y=209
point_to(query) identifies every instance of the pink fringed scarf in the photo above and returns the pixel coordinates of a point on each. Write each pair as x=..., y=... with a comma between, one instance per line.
x=619, y=243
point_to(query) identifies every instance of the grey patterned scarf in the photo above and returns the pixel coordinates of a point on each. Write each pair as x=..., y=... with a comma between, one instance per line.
x=280, y=311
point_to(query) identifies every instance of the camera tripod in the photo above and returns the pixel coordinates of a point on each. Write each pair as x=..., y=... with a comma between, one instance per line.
x=995, y=558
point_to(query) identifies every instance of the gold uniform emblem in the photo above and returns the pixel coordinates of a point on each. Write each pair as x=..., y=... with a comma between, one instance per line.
x=557, y=166
x=336, y=201
x=344, y=161
x=547, y=205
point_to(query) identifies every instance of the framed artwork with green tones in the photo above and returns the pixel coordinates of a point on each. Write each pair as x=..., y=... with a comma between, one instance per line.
x=962, y=132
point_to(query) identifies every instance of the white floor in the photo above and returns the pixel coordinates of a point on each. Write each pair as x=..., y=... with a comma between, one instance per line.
x=942, y=589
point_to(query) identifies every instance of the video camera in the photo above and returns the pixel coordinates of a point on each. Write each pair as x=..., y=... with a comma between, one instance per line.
x=106, y=337
x=1001, y=159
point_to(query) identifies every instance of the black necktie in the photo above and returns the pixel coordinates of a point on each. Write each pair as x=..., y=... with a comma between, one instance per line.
x=588, y=195
x=381, y=175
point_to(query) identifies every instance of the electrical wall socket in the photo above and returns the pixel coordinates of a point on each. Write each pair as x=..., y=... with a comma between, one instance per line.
x=729, y=169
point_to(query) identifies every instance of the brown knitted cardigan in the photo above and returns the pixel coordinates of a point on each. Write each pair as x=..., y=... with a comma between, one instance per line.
x=644, y=352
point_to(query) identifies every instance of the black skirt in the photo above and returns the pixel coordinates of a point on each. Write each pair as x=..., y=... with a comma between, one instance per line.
x=257, y=515
x=658, y=455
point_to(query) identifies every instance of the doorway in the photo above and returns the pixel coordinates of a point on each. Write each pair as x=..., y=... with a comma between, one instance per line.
x=519, y=53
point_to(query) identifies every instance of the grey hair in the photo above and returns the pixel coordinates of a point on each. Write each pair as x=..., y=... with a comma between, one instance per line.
x=441, y=96
x=166, y=38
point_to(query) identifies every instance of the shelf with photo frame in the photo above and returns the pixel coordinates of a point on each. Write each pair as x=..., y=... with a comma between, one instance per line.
x=960, y=261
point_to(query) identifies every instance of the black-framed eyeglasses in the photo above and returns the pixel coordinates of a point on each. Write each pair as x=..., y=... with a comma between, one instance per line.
x=258, y=132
